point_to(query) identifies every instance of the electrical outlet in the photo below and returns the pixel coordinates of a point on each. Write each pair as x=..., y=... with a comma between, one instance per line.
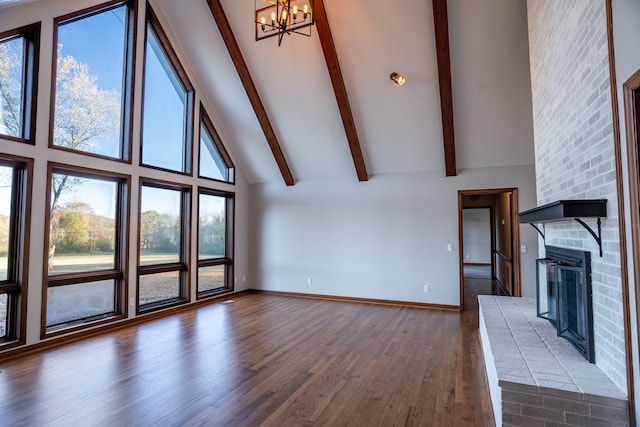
x=309, y=281
x=426, y=288
x=449, y=247
x=235, y=279
x=132, y=301
x=523, y=249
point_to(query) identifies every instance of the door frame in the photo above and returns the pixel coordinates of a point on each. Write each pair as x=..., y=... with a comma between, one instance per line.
x=631, y=94
x=515, y=236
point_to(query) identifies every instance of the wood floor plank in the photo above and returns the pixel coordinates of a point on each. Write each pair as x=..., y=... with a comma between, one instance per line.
x=262, y=360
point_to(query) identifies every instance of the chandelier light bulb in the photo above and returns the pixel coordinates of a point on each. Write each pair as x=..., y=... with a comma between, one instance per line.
x=295, y=12
x=273, y=18
x=305, y=11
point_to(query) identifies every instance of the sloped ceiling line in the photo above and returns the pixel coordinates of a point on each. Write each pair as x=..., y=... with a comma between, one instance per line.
x=243, y=72
x=441, y=25
x=333, y=66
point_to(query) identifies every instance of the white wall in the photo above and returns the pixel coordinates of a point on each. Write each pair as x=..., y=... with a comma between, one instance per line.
x=491, y=83
x=626, y=15
x=381, y=239
x=476, y=235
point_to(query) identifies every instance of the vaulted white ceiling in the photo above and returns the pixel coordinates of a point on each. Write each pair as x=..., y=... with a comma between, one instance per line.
x=399, y=128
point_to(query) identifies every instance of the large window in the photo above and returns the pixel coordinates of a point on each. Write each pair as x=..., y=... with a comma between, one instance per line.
x=87, y=229
x=215, y=162
x=15, y=178
x=167, y=105
x=93, y=80
x=163, y=255
x=89, y=190
x=19, y=53
x=215, y=242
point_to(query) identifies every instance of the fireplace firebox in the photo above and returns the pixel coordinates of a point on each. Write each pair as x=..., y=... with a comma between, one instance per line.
x=564, y=296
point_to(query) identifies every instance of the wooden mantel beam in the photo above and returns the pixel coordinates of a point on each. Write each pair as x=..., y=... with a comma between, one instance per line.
x=243, y=72
x=331, y=57
x=441, y=25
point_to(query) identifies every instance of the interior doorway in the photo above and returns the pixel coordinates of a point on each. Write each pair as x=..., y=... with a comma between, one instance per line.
x=478, y=241
x=489, y=241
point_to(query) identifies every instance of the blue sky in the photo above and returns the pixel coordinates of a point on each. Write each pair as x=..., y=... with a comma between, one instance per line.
x=161, y=200
x=164, y=104
x=98, y=41
x=101, y=195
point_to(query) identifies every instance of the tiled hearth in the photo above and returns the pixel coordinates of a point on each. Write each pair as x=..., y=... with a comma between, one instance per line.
x=537, y=378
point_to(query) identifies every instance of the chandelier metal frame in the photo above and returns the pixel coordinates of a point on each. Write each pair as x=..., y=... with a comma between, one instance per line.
x=283, y=17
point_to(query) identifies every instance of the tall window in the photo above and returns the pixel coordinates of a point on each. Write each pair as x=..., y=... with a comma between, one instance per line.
x=93, y=80
x=87, y=223
x=163, y=249
x=15, y=178
x=215, y=242
x=19, y=53
x=215, y=162
x=167, y=105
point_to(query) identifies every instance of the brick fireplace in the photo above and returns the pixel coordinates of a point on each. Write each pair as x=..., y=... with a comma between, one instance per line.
x=574, y=152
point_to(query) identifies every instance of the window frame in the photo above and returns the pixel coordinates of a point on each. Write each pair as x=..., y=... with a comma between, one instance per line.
x=31, y=35
x=16, y=284
x=228, y=258
x=153, y=23
x=217, y=141
x=183, y=266
x=121, y=252
x=127, y=109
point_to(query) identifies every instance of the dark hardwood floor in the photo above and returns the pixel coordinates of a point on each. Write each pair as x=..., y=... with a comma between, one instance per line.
x=263, y=360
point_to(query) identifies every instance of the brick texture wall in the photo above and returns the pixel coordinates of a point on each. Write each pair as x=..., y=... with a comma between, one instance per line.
x=574, y=149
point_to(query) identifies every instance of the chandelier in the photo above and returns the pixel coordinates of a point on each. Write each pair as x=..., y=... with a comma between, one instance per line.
x=282, y=17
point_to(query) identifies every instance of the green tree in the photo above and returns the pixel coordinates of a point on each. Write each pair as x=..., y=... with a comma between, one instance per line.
x=75, y=228
x=73, y=232
x=212, y=235
x=5, y=182
x=149, y=228
x=159, y=232
x=4, y=235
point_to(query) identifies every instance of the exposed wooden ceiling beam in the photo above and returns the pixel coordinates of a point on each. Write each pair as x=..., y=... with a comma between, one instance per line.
x=441, y=25
x=331, y=57
x=243, y=72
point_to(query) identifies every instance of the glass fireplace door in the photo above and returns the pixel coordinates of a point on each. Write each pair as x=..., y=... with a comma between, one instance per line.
x=574, y=300
x=546, y=289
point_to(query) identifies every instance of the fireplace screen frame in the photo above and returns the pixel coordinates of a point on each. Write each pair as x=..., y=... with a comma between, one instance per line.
x=551, y=295
x=581, y=336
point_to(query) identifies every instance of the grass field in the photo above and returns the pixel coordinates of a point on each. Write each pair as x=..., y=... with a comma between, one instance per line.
x=82, y=300
x=3, y=315
x=90, y=262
